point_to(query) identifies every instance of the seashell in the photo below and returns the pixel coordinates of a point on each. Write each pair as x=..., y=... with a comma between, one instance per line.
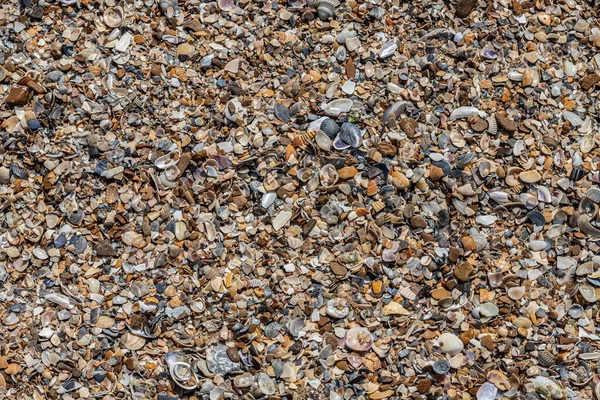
x=516, y=293
x=593, y=194
x=377, y=206
x=297, y=298
x=468, y=243
x=169, y=159
x=193, y=24
x=464, y=112
x=492, y=125
x=295, y=326
x=388, y=49
x=78, y=244
x=303, y=139
x=265, y=384
x=359, y=339
x=395, y=110
x=588, y=293
x=350, y=134
x=550, y=388
x=133, y=342
x=583, y=222
x=588, y=207
x=226, y=5
x=76, y=217
x=183, y=375
x=328, y=175
x=328, y=126
x=372, y=188
x=489, y=54
x=337, y=308
x=337, y=107
x=587, y=143
x=338, y=144
x=105, y=322
x=488, y=310
x=576, y=311
x=113, y=17
x=487, y=391
x=323, y=141
x=326, y=8
x=282, y=113
x=450, y=343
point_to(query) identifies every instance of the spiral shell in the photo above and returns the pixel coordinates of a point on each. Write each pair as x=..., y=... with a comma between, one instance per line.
x=303, y=139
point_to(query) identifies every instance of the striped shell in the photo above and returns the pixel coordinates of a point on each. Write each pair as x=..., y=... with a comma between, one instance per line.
x=326, y=8
x=407, y=293
x=303, y=139
x=372, y=189
x=255, y=283
x=546, y=359
x=112, y=193
x=492, y=125
x=597, y=60
x=377, y=206
x=297, y=298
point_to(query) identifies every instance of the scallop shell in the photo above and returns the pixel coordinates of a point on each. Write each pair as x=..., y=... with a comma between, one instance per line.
x=377, y=206
x=326, y=8
x=133, y=342
x=597, y=62
x=297, y=298
x=492, y=126
x=113, y=17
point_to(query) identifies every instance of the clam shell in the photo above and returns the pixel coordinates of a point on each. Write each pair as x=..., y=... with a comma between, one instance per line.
x=395, y=110
x=295, y=326
x=350, y=134
x=326, y=8
x=337, y=308
x=328, y=175
x=359, y=339
x=169, y=159
x=113, y=17
x=133, y=342
x=105, y=322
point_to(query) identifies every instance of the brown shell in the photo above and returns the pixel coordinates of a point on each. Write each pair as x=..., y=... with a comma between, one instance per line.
x=193, y=25
x=112, y=193
x=435, y=173
x=377, y=206
x=377, y=287
x=372, y=189
x=468, y=243
x=303, y=139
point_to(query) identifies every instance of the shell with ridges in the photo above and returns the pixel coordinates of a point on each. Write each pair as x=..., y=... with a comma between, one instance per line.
x=326, y=8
